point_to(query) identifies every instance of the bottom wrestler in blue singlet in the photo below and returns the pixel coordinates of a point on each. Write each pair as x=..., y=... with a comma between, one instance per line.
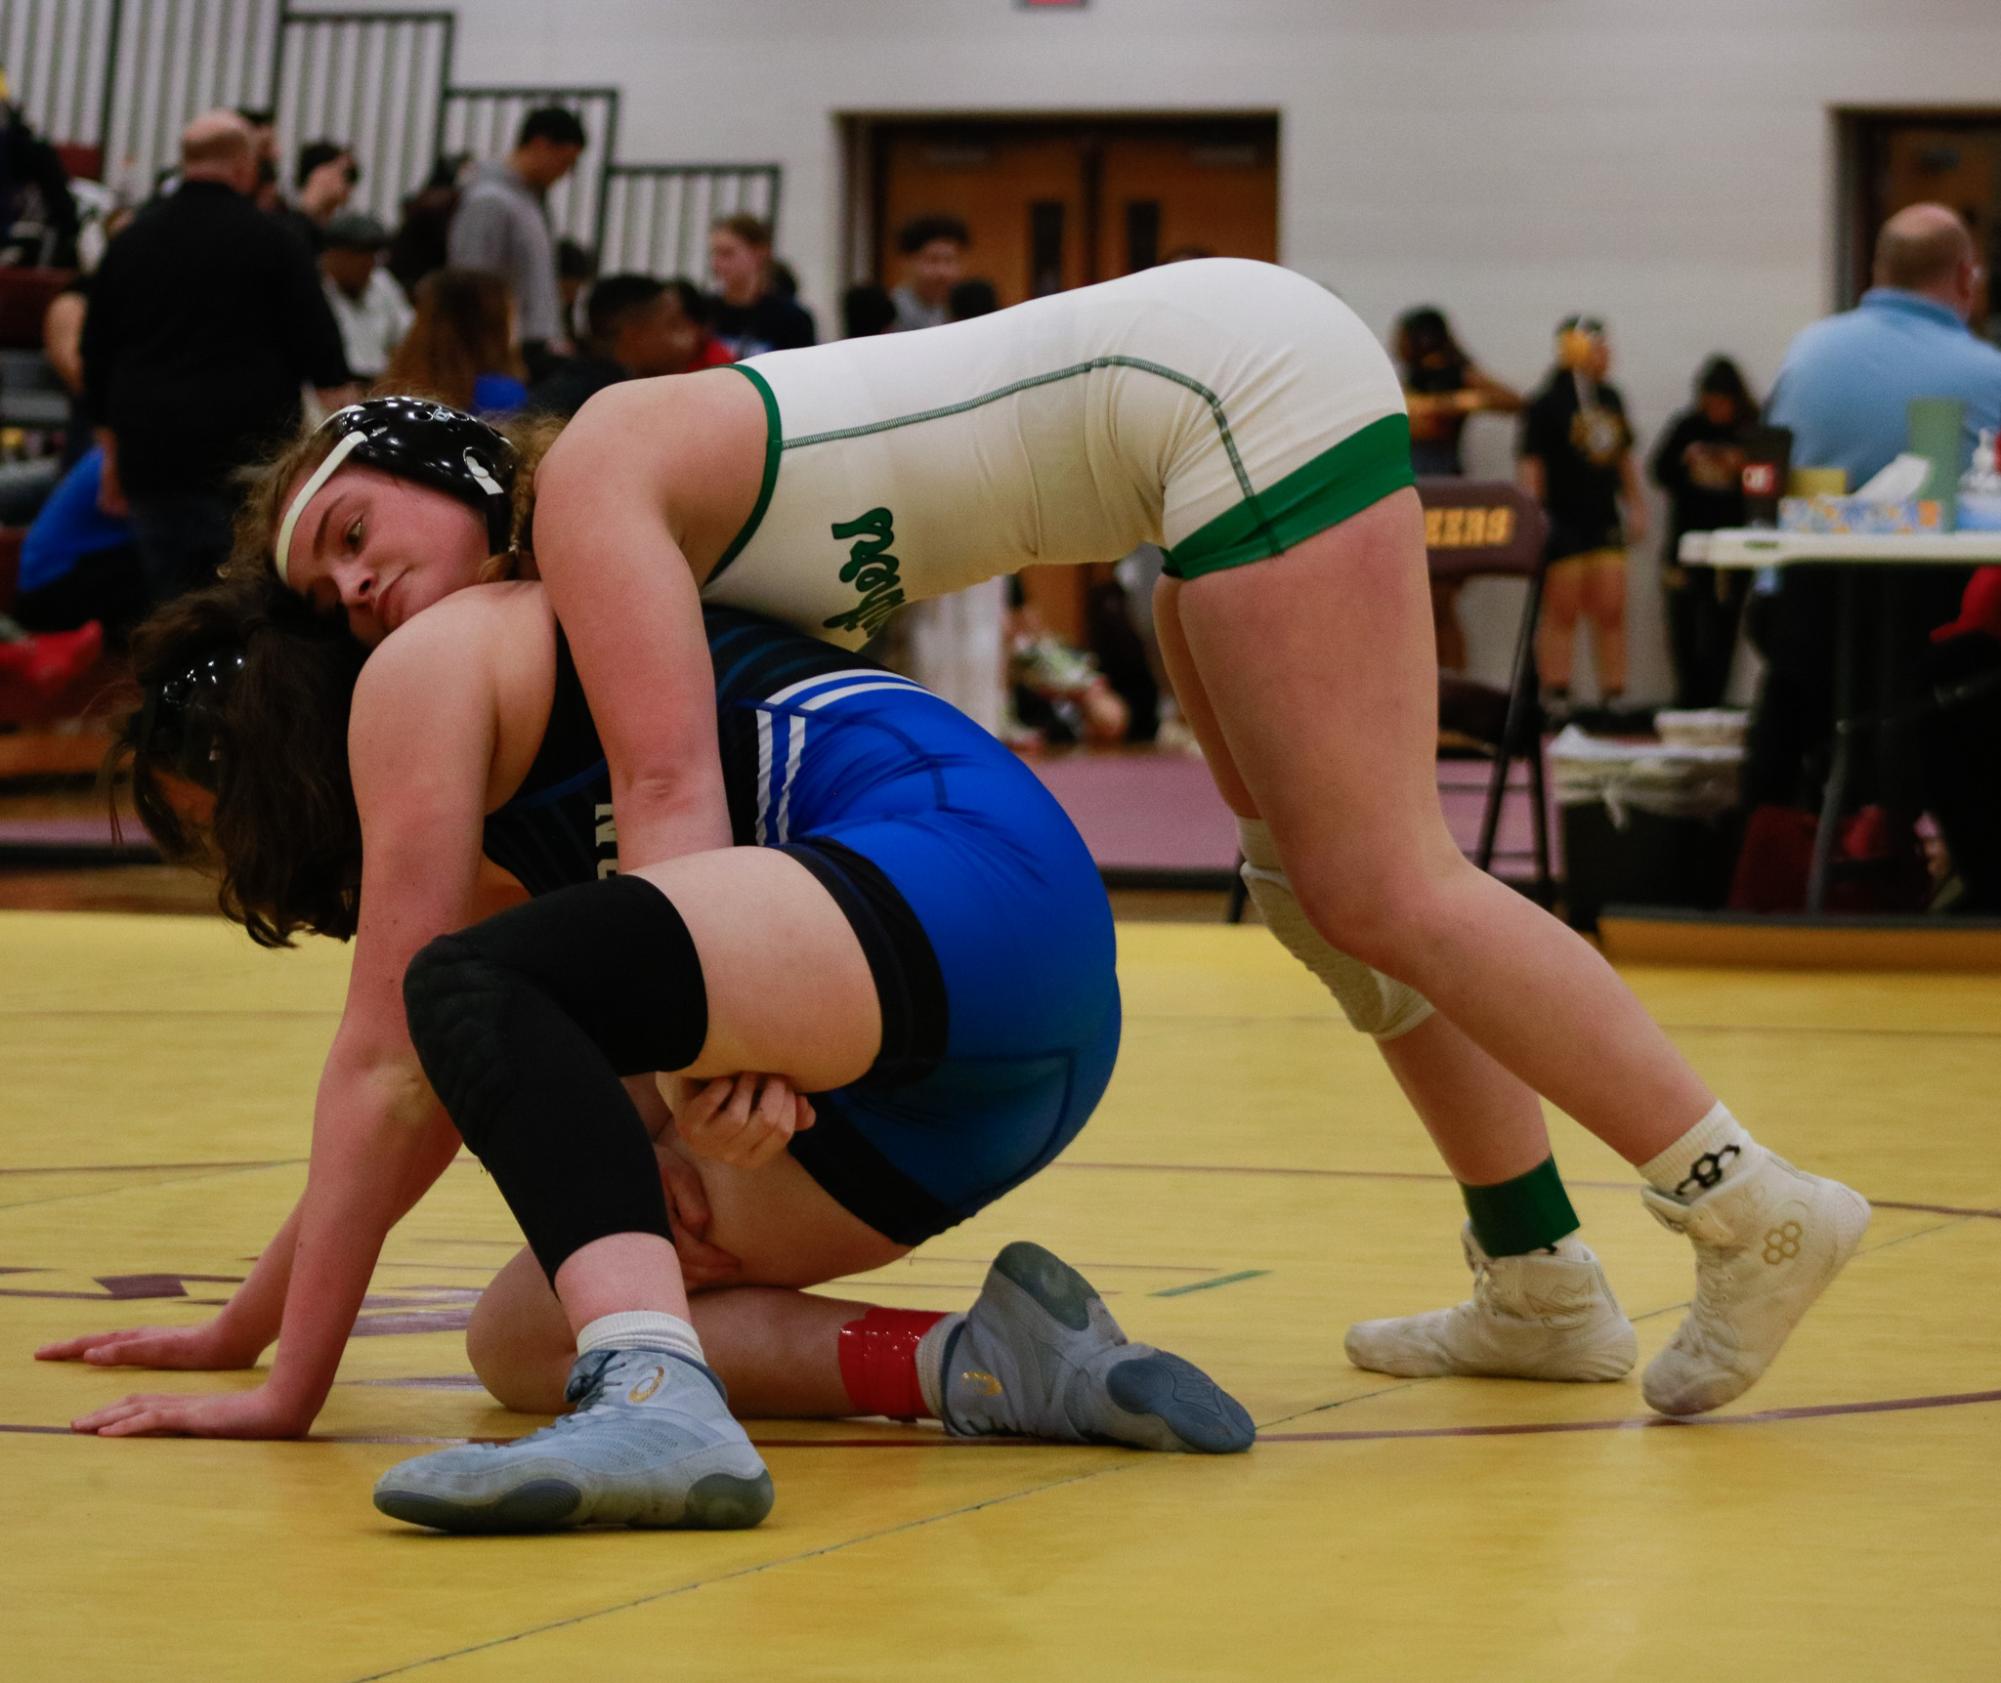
x=979, y=909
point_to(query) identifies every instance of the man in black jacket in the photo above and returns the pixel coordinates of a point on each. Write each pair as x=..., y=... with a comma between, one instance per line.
x=206, y=319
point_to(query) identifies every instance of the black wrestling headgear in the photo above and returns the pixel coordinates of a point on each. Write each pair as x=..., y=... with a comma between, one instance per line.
x=180, y=720
x=431, y=443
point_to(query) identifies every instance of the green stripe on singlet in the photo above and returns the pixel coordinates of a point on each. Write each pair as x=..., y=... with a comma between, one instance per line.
x=1355, y=474
x=774, y=442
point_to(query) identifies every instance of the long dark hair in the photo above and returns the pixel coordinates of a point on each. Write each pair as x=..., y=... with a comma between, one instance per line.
x=1424, y=338
x=1720, y=377
x=284, y=839
x=462, y=330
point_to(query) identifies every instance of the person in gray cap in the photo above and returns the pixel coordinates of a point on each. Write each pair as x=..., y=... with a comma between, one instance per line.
x=369, y=306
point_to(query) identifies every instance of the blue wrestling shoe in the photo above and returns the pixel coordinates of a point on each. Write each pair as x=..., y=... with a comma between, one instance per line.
x=1039, y=1356
x=652, y=1443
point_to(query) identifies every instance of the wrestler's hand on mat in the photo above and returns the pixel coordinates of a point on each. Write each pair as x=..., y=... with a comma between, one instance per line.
x=745, y=1120
x=209, y=1347
x=703, y=1265
x=241, y=1414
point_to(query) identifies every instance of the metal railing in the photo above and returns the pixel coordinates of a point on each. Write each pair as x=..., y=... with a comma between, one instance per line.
x=57, y=55
x=126, y=75
x=372, y=81
x=170, y=60
x=657, y=216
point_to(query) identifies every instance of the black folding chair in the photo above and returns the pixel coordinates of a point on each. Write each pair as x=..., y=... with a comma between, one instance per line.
x=1487, y=529
x=1477, y=529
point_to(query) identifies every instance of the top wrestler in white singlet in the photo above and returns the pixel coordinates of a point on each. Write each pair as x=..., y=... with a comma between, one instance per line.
x=1224, y=409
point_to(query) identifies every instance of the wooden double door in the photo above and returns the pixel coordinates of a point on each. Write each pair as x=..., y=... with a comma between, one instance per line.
x=1058, y=204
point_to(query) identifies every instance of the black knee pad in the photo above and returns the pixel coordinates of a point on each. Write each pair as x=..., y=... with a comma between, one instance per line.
x=614, y=956
x=524, y=1024
x=456, y=1002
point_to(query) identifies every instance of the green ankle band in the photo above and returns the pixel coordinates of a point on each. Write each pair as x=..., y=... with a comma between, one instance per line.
x=1521, y=1215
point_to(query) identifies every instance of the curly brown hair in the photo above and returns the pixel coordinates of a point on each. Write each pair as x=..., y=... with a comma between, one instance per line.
x=284, y=839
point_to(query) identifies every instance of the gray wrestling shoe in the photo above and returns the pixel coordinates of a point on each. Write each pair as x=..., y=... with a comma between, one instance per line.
x=1039, y=1356
x=651, y=1443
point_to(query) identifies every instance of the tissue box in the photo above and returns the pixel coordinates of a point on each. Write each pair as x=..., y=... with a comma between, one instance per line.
x=1862, y=515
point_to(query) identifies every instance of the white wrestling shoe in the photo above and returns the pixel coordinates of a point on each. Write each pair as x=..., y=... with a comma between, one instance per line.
x=1767, y=1243
x=1539, y=1316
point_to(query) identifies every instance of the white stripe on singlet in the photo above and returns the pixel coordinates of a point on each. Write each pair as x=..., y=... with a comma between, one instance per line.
x=795, y=748
x=879, y=681
x=805, y=684
x=763, y=772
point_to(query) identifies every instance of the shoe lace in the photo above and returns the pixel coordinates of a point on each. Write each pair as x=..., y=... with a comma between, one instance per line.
x=586, y=1383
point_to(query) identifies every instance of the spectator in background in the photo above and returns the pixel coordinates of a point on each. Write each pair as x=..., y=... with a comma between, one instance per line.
x=746, y=312
x=692, y=331
x=461, y=347
x=326, y=180
x=1700, y=464
x=639, y=328
x=205, y=320
x=866, y=310
x=78, y=564
x=424, y=233
x=1844, y=392
x=576, y=268
x=1577, y=461
x=265, y=193
x=1443, y=388
x=972, y=298
x=39, y=220
x=934, y=261
x=62, y=345
x=953, y=645
x=369, y=307
x=1846, y=383
x=501, y=226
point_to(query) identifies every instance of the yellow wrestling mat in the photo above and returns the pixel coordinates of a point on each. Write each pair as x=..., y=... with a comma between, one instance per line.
x=1252, y=1185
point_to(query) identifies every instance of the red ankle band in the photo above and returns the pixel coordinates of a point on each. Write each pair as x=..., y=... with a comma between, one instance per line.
x=879, y=1361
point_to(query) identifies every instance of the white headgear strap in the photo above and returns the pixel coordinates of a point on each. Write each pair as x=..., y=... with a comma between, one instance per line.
x=281, y=556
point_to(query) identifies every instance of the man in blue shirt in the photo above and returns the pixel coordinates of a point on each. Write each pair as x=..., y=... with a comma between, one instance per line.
x=1847, y=382
x=1845, y=391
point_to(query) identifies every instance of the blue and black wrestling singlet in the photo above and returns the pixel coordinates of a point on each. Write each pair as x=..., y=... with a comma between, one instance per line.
x=973, y=896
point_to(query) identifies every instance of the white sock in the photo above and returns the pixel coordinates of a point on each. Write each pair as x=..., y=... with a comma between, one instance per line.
x=931, y=1363
x=641, y=1329
x=1255, y=844
x=1711, y=1152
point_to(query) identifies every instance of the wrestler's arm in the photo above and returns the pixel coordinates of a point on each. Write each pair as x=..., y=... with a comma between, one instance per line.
x=420, y=744
x=648, y=473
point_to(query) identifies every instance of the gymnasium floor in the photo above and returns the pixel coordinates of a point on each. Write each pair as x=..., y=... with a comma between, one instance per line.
x=1251, y=1186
